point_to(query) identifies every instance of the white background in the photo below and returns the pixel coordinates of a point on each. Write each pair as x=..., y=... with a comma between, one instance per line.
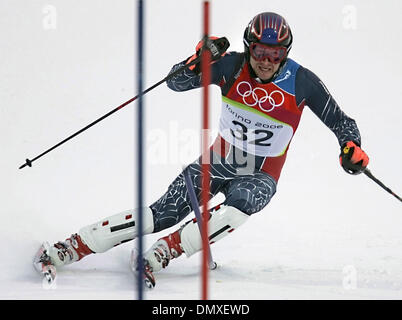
x=325, y=235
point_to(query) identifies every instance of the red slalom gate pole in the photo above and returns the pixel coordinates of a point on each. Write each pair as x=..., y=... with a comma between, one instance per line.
x=205, y=161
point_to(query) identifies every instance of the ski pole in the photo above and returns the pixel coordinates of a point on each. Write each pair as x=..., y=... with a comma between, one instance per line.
x=28, y=162
x=196, y=208
x=368, y=173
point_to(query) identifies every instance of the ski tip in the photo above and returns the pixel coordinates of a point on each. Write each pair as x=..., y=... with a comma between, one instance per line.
x=50, y=277
x=149, y=284
x=43, y=264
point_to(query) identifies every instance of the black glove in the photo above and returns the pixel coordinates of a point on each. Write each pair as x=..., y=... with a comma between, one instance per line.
x=217, y=47
x=352, y=158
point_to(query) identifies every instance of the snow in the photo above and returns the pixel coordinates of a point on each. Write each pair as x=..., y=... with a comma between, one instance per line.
x=325, y=235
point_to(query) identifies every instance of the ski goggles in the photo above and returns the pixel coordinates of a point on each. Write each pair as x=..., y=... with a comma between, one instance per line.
x=261, y=52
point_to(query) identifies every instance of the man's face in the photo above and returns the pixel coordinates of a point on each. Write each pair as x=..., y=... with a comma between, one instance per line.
x=264, y=69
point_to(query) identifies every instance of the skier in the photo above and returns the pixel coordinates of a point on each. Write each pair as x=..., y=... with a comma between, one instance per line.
x=264, y=93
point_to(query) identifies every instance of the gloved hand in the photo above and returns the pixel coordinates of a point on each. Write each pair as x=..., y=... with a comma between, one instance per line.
x=352, y=158
x=217, y=47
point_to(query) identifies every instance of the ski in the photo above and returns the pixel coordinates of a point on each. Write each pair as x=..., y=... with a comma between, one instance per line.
x=149, y=279
x=43, y=264
x=148, y=276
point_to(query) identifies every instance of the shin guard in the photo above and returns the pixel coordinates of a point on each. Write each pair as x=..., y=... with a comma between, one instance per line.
x=114, y=230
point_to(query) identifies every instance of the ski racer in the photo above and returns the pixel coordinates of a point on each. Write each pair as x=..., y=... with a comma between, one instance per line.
x=264, y=93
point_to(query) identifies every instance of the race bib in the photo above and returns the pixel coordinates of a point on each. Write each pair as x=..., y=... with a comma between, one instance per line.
x=252, y=130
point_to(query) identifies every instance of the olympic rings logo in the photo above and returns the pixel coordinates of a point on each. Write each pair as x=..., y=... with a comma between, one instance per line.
x=261, y=101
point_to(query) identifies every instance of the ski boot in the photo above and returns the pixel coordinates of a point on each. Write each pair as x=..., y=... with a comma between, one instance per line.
x=48, y=258
x=157, y=257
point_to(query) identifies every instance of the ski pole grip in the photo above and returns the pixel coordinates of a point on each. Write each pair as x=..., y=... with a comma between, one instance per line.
x=217, y=47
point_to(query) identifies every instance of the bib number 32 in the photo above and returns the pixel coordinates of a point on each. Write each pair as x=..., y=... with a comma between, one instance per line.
x=242, y=133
